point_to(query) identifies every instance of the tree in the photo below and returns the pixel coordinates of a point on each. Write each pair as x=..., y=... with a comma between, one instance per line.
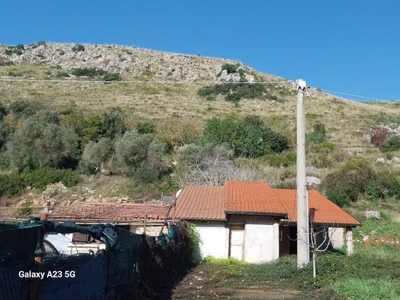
x=141, y=155
x=210, y=165
x=38, y=144
x=112, y=123
x=95, y=155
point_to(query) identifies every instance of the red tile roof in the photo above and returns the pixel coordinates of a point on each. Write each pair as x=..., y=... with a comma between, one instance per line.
x=246, y=197
x=326, y=211
x=252, y=197
x=201, y=203
x=109, y=212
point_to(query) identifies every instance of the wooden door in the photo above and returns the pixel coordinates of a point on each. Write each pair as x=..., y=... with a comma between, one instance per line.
x=236, y=242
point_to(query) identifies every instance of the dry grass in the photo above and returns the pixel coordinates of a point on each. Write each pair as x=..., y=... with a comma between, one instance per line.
x=346, y=122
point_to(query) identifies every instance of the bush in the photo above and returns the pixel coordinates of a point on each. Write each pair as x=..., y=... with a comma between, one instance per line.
x=392, y=144
x=282, y=159
x=11, y=185
x=112, y=77
x=41, y=177
x=24, y=108
x=78, y=47
x=352, y=179
x=318, y=135
x=146, y=127
x=26, y=209
x=379, y=136
x=234, y=92
x=249, y=137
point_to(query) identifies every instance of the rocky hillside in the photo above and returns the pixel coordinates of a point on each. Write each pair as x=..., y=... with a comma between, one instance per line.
x=129, y=61
x=158, y=86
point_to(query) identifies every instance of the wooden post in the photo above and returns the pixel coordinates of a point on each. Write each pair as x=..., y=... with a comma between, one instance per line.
x=145, y=216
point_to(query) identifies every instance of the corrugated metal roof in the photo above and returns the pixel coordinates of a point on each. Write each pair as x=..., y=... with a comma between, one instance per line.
x=201, y=203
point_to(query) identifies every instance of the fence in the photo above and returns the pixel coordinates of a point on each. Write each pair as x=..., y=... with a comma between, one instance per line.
x=131, y=267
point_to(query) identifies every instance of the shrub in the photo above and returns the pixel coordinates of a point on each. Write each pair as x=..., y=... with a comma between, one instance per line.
x=392, y=144
x=112, y=77
x=24, y=108
x=230, y=68
x=62, y=74
x=26, y=209
x=41, y=177
x=146, y=127
x=352, y=179
x=379, y=136
x=318, y=135
x=282, y=159
x=249, y=137
x=234, y=92
x=11, y=185
x=78, y=47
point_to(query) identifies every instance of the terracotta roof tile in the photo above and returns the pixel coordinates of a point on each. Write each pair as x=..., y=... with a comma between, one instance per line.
x=201, y=203
x=325, y=210
x=109, y=212
x=252, y=197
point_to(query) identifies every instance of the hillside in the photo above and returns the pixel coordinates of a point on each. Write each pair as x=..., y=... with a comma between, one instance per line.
x=164, y=88
x=157, y=85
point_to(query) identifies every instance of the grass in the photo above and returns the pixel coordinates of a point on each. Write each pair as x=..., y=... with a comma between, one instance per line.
x=366, y=289
x=339, y=276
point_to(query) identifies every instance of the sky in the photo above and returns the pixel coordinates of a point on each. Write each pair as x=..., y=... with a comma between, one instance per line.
x=352, y=47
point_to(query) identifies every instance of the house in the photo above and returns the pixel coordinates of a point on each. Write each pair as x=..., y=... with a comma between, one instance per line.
x=134, y=217
x=253, y=222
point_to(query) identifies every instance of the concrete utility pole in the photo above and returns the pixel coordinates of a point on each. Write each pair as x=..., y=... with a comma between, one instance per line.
x=303, y=245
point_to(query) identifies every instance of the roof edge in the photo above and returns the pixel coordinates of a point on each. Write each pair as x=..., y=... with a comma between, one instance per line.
x=252, y=213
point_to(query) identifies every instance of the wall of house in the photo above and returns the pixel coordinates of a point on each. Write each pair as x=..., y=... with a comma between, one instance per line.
x=261, y=237
x=261, y=242
x=337, y=237
x=214, y=239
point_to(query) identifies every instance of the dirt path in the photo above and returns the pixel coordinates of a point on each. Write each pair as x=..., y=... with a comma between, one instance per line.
x=206, y=282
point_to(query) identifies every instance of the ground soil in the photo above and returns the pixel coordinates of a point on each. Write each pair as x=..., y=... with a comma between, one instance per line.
x=199, y=284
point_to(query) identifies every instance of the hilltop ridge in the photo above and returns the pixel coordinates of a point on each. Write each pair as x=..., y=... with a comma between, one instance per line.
x=158, y=85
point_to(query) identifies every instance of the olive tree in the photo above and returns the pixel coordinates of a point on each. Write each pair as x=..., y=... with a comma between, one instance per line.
x=39, y=144
x=141, y=156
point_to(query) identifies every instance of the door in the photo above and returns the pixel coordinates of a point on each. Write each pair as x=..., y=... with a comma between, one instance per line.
x=236, y=242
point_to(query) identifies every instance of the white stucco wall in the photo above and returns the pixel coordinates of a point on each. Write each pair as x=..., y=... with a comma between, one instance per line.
x=214, y=239
x=337, y=237
x=261, y=242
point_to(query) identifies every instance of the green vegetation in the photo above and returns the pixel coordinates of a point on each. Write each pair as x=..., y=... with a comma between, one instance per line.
x=392, y=144
x=93, y=72
x=41, y=177
x=11, y=185
x=338, y=277
x=248, y=137
x=141, y=156
x=234, y=92
x=78, y=48
x=357, y=179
